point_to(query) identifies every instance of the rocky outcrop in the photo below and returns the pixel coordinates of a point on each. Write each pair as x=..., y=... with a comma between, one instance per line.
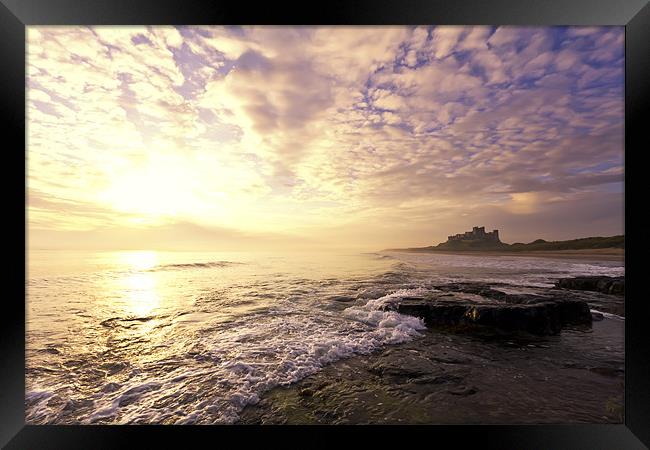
x=606, y=285
x=540, y=314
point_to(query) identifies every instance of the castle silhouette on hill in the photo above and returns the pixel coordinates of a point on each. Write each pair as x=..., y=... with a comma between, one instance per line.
x=480, y=240
x=477, y=234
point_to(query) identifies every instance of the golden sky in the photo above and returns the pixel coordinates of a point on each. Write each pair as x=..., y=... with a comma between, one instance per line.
x=226, y=138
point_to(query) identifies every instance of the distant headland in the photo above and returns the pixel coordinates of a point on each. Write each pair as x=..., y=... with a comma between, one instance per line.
x=478, y=240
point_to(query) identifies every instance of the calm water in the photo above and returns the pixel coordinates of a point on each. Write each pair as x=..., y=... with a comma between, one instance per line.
x=151, y=337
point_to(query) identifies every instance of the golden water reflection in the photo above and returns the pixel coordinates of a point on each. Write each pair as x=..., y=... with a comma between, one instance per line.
x=139, y=286
x=142, y=297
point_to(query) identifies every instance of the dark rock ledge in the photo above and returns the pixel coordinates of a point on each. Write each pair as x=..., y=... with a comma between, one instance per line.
x=543, y=313
x=606, y=285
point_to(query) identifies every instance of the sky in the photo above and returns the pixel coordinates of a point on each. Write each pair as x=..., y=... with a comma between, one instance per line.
x=270, y=138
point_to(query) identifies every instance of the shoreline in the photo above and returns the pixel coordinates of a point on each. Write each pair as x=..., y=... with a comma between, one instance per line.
x=603, y=254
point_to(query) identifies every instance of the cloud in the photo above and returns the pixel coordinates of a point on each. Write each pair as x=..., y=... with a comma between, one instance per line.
x=319, y=130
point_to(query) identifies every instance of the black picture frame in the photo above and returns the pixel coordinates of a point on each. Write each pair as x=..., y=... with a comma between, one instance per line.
x=15, y=15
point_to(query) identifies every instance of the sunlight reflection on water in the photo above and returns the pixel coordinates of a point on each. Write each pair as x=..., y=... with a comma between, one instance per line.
x=141, y=294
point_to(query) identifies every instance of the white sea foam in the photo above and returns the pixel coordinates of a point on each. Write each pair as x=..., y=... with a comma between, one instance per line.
x=273, y=350
x=517, y=264
x=608, y=315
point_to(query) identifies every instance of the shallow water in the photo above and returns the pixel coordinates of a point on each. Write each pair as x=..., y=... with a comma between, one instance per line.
x=146, y=337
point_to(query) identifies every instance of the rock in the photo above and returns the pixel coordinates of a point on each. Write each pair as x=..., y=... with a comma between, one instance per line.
x=51, y=350
x=539, y=318
x=541, y=314
x=111, y=387
x=396, y=371
x=450, y=360
x=463, y=391
x=607, y=371
x=613, y=304
x=410, y=366
x=436, y=379
x=481, y=289
x=617, y=287
x=597, y=317
x=306, y=392
x=606, y=285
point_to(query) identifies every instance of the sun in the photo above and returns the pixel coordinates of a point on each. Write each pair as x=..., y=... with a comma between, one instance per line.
x=147, y=192
x=162, y=189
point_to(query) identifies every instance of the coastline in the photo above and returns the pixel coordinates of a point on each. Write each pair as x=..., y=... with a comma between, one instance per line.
x=602, y=254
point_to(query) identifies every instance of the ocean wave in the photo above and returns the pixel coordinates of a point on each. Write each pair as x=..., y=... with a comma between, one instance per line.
x=379, y=255
x=196, y=265
x=242, y=361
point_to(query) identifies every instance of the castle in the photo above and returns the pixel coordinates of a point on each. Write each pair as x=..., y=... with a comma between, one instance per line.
x=477, y=234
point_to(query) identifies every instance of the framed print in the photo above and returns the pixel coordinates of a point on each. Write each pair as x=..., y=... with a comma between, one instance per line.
x=355, y=218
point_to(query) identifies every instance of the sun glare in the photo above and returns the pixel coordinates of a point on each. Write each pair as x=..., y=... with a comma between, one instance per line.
x=148, y=193
x=141, y=296
x=138, y=260
x=165, y=186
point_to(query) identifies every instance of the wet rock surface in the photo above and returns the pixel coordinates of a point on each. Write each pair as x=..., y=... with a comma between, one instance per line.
x=469, y=305
x=604, y=303
x=492, y=354
x=463, y=378
x=605, y=285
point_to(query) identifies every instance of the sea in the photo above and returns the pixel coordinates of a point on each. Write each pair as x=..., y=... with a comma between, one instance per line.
x=144, y=337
